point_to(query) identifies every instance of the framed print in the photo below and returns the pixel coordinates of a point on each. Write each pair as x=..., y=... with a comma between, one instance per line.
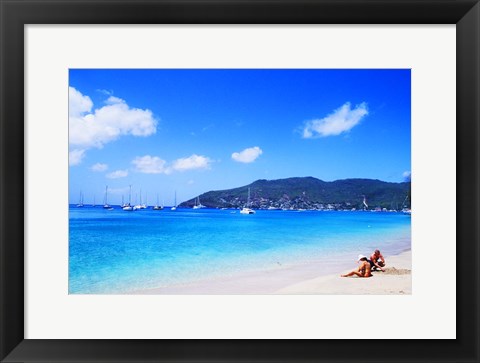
x=232, y=253
x=219, y=104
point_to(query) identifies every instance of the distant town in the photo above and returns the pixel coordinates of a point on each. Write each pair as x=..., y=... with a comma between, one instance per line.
x=310, y=194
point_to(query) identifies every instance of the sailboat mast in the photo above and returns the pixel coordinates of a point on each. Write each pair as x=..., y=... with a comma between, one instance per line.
x=80, y=200
x=246, y=209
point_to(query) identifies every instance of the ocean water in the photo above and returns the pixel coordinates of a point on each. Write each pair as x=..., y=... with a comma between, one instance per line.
x=112, y=252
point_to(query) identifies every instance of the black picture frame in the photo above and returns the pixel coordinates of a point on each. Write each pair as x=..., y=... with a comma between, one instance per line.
x=15, y=14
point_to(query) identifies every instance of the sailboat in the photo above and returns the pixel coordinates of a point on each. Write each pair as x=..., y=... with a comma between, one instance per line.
x=105, y=202
x=198, y=205
x=365, y=203
x=156, y=206
x=246, y=210
x=175, y=205
x=80, y=201
x=406, y=210
x=128, y=207
x=139, y=206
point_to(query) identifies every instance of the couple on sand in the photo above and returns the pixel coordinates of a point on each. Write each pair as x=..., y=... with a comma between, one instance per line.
x=367, y=266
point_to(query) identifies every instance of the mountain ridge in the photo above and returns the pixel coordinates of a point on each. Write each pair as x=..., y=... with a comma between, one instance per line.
x=310, y=193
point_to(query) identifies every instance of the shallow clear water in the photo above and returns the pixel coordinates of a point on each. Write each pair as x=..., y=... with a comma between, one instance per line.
x=118, y=252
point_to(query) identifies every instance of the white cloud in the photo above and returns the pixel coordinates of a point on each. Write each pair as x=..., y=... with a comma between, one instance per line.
x=248, y=155
x=75, y=156
x=93, y=129
x=78, y=104
x=105, y=92
x=192, y=162
x=112, y=100
x=150, y=164
x=407, y=175
x=155, y=165
x=99, y=167
x=339, y=121
x=117, y=174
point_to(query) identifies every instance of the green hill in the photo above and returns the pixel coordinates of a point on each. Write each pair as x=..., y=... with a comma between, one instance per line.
x=310, y=193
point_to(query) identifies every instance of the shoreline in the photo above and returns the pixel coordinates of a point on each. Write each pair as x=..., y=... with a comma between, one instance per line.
x=314, y=278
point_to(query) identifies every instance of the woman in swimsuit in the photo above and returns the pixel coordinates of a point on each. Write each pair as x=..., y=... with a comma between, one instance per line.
x=363, y=270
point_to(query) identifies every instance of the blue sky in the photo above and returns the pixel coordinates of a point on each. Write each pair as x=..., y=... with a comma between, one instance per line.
x=193, y=131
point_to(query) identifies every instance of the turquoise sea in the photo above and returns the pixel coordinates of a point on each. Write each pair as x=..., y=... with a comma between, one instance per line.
x=114, y=251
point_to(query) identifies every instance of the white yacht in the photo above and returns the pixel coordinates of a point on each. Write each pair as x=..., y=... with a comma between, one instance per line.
x=139, y=206
x=80, y=201
x=175, y=204
x=105, y=202
x=198, y=205
x=157, y=206
x=246, y=209
x=128, y=207
x=405, y=209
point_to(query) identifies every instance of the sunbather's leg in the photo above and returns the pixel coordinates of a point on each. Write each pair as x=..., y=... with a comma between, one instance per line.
x=352, y=273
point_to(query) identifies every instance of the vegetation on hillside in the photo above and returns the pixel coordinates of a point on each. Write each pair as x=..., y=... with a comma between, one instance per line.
x=310, y=193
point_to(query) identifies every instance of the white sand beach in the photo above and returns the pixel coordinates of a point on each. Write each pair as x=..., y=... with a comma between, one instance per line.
x=305, y=279
x=397, y=279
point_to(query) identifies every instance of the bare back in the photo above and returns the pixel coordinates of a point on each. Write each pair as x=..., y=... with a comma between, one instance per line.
x=365, y=269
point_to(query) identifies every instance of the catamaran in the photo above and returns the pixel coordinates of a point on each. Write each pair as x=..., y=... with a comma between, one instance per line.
x=198, y=205
x=246, y=209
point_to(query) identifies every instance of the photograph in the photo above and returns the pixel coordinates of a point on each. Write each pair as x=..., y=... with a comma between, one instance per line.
x=239, y=182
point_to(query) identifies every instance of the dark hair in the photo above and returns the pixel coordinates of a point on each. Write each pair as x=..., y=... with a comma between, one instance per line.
x=377, y=251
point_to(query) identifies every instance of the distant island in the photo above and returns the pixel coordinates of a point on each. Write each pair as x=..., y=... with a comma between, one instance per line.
x=310, y=193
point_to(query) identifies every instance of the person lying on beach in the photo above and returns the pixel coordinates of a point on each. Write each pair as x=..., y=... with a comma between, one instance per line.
x=363, y=269
x=377, y=261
